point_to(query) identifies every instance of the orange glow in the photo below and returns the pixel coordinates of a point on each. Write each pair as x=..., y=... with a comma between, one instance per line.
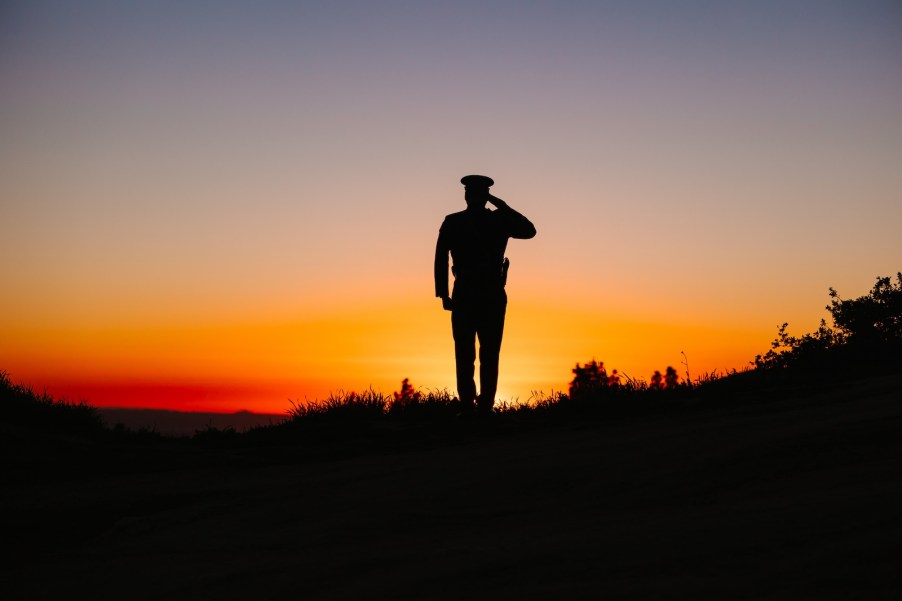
x=260, y=366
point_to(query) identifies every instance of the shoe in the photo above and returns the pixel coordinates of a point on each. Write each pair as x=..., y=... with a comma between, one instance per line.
x=484, y=408
x=466, y=410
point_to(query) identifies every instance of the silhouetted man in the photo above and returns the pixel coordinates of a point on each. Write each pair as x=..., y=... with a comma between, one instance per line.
x=476, y=239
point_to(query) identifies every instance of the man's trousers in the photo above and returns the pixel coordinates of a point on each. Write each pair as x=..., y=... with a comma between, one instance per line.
x=477, y=312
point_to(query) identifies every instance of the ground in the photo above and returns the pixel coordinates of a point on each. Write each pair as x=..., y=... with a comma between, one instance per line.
x=784, y=499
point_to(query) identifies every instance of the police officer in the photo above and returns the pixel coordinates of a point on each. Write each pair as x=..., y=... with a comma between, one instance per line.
x=476, y=239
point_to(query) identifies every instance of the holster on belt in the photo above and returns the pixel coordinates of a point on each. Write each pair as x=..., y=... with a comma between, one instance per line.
x=483, y=274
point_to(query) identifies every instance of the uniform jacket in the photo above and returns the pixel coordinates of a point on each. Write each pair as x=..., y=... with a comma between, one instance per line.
x=476, y=240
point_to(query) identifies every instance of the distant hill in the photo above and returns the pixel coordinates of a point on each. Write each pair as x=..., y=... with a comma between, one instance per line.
x=178, y=423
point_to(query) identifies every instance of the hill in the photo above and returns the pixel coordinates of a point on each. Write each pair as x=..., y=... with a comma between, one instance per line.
x=780, y=498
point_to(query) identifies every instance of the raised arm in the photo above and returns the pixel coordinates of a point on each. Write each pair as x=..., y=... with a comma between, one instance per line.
x=517, y=225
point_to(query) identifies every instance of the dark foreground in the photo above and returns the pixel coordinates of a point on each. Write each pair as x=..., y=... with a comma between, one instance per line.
x=793, y=499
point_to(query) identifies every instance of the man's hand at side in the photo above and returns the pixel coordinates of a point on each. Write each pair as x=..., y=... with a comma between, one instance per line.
x=446, y=303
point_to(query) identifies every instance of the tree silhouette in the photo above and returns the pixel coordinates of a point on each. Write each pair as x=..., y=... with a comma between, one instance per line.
x=671, y=379
x=866, y=333
x=657, y=381
x=407, y=394
x=588, y=379
x=873, y=319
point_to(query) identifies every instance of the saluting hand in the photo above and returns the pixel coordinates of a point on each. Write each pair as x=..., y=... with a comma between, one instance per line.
x=495, y=201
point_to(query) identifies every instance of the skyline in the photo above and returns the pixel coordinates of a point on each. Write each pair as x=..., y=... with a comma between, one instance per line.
x=240, y=201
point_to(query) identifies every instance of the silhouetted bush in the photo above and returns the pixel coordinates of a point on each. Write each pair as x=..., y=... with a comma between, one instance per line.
x=866, y=334
x=657, y=382
x=874, y=319
x=592, y=379
x=406, y=396
x=671, y=379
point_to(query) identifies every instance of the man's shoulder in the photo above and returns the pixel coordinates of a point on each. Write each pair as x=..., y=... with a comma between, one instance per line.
x=454, y=218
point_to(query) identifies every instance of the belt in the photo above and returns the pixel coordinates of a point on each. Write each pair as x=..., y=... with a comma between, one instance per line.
x=483, y=272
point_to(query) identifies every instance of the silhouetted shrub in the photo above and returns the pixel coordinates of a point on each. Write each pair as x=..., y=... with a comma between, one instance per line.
x=671, y=379
x=406, y=395
x=657, y=382
x=866, y=334
x=591, y=379
x=874, y=319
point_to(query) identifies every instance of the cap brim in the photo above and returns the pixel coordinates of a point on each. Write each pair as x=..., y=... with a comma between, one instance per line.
x=480, y=181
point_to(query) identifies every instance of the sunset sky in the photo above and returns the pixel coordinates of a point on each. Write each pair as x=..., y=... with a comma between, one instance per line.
x=225, y=205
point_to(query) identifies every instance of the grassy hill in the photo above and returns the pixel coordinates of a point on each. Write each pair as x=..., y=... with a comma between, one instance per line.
x=782, y=498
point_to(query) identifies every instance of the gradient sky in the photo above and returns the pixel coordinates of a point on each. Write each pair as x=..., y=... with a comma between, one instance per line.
x=226, y=205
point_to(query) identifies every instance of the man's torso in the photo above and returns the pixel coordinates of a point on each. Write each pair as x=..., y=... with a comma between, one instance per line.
x=477, y=241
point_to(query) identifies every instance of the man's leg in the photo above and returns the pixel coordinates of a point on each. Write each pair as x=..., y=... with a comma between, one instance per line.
x=490, y=329
x=463, y=326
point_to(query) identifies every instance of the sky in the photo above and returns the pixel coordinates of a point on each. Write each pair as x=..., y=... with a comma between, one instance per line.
x=233, y=205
